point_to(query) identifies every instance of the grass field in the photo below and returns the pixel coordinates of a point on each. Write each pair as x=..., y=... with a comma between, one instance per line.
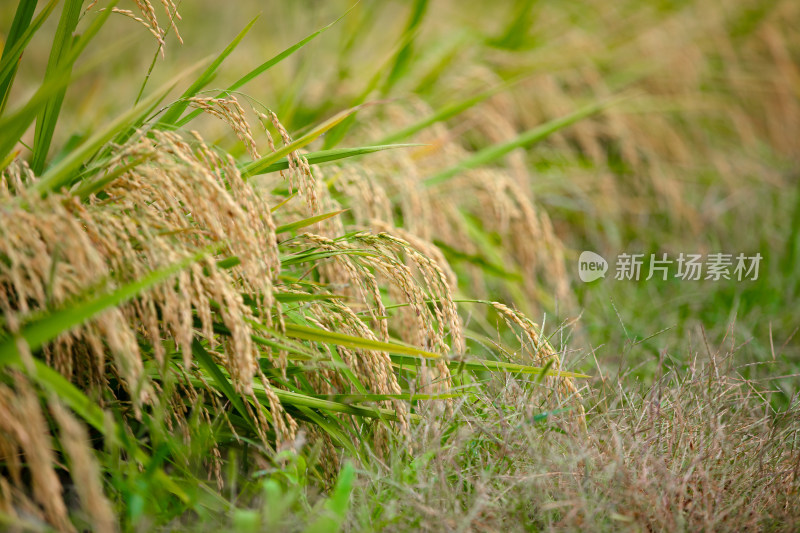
x=317, y=266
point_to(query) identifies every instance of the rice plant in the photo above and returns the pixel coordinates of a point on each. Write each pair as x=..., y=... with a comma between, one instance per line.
x=292, y=285
x=152, y=285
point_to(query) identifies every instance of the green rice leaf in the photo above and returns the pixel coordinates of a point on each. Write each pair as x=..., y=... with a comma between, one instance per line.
x=17, y=39
x=406, y=52
x=260, y=166
x=173, y=114
x=293, y=226
x=335, y=508
x=223, y=383
x=263, y=68
x=61, y=173
x=290, y=297
x=445, y=113
x=325, y=156
x=309, y=333
x=46, y=123
x=483, y=365
x=494, y=152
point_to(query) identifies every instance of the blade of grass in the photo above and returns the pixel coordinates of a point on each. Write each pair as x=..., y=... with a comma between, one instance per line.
x=325, y=156
x=176, y=110
x=50, y=380
x=349, y=341
x=494, y=152
x=483, y=365
x=259, y=166
x=16, y=40
x=405, y=53
x=46, y=123
x=289, y=297
x=335, y=507
x=445, y=113
x=316, y=256
x=332, y=428
x=60, y=174
x=13, y=126
x=19, y=27
x=264, y=67
x=206, y=363
x=298, y=224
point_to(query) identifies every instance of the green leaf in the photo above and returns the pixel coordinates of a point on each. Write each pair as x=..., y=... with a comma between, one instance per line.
x=494, y=152
x=309, y=333
x=16, y=40
x=483, y=365
x=306, y=257
x=291, y=297
x=13, y=126
x=46, y=123
x=298, y=224
x=210, y=367
x=325, y=156
x=335, y=508
x=60, y=174
x=447, y=112
x=259, y=166
x=333, y=428
x=263, y=68
x=175, y=111
x=326, y=406
x=405, y=53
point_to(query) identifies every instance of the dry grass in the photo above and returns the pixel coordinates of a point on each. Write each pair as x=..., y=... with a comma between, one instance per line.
x=700, y=451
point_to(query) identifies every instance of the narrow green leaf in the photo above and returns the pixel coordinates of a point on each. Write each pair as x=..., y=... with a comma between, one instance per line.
x=205, y=361
x=290, y=297
x=15, y=42
x=325, y=156
x=516, y=32
x=87, y=188
x=447, y=112
x=332, y=427
x=483, y=365
x=263, y=68
x=60, y=174
x=316, y=256
x=326, y=406
x=335, y=508
x=174, y=112
x=409, y=396
x=46, y=123
x=259, y=166
x=14, y=125
x=278, y=342
x=50, y=380
x=492, y=153
x=298, y=224
x=403, y=57
x=349, y=341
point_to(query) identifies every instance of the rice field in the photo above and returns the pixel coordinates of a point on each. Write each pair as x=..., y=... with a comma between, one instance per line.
x=403, y=266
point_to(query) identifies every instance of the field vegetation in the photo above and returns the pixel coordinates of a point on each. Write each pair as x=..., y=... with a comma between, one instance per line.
x=317, y=269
